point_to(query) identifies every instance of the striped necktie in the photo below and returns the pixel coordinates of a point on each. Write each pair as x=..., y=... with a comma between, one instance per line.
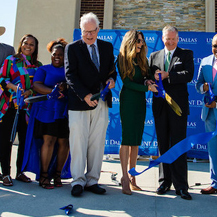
x=167, y=62
x=94, y=56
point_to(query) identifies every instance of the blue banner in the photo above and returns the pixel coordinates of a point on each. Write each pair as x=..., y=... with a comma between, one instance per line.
x=200, y=43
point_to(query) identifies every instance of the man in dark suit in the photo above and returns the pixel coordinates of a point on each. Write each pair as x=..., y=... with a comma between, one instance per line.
x=89, y=66
x=177, y=68
x=5, y=50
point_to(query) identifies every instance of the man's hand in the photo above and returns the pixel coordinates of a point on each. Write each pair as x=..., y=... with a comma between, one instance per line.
x=163, y=74
x=112, y=83
x=205, y=87
x=89, y=102
x=212, y=105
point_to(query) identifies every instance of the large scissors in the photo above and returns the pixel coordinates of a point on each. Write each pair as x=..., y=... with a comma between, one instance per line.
x=20, y=103
x=162, y=93
x=53, y=95
x=101, y=94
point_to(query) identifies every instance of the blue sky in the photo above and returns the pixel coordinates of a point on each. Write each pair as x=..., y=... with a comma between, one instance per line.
x=7, y=19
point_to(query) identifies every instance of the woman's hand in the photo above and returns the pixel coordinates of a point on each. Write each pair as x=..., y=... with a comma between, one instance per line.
x=152, y=88
x=62, y=86
x=149, y=82
x=27, y=93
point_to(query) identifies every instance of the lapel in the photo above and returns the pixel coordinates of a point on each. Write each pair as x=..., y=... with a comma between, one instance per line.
x=161, y=58
x=86, y=53
x=174, y=59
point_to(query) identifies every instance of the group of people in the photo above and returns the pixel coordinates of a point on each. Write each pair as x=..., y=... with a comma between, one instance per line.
x=68, y=132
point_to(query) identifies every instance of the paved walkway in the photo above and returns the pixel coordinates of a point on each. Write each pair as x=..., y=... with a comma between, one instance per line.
x=28, y=199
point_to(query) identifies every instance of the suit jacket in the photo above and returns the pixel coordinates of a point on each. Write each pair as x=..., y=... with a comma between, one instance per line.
x=181, y=71
x=5, y=51
x=82, y=75
x=205, y=75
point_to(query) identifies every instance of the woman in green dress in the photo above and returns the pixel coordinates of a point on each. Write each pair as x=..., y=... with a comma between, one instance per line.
x=134, y=71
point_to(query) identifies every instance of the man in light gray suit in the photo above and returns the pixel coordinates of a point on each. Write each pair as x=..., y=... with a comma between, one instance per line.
x=5, y=50
x=207, y=74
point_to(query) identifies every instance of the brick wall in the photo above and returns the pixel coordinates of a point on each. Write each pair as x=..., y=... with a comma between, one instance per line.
x=95, y=6
x=186, y=15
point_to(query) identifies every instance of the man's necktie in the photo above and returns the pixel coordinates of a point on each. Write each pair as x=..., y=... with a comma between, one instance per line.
x=94, y=56
x=214, y=69
x=167, y=62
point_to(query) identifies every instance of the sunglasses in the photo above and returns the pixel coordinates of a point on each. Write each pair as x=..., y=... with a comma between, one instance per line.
x=140, y=40
x=215, y=45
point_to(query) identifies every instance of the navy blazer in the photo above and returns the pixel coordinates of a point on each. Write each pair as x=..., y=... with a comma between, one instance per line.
x=181, y=71
x=82, y=75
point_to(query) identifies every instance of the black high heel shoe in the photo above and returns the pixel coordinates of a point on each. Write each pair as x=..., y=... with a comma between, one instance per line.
x=44, y=181
x=57, y=179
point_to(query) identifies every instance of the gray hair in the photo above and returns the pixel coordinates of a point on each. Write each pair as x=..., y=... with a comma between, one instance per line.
x=169, y=28
x=89, y=17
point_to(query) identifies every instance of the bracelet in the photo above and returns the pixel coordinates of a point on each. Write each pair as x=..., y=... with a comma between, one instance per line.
x=31, y=91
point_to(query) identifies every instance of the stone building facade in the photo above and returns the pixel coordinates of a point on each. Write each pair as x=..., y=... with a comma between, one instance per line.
x=187, y=15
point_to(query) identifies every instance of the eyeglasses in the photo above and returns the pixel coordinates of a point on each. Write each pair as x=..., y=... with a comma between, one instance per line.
x=214, y=45
x=92, y=32
x=140, y=40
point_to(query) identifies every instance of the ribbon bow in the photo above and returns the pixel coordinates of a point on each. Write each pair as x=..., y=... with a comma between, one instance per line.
x=68, y=209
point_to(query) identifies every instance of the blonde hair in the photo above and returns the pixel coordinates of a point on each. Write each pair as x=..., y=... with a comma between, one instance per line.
x=128, y=54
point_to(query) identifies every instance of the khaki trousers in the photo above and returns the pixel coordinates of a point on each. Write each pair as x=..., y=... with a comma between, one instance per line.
x=87, y=142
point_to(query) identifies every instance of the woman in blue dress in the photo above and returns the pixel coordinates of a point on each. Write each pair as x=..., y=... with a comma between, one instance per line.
x=50, y=120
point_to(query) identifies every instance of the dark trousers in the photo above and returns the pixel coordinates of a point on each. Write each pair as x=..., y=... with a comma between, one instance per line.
x=5, y=144
x=171, y=129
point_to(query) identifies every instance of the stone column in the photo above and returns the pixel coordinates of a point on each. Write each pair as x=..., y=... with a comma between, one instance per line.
x=108, y=14
x=210, y=15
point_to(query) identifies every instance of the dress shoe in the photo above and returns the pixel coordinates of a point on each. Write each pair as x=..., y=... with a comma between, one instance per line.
x=76, y=190
x=95, y=189
x=184, y=194
x=162, y=189
x=209, y=190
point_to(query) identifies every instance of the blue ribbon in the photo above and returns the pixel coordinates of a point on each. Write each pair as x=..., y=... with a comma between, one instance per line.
x=105, y=92
x=160, y=88
x=68, y=209
x=177, y=150
x=20, y=103
x=209, y=98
